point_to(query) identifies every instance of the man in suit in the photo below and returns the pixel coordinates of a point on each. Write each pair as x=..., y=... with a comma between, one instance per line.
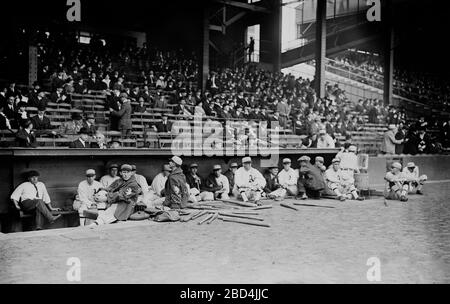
x=25, y=137
x=81, y=142
x=4, y=121
x=164, y=126
x=124, y=115
x=41, y=123
x=89, y=124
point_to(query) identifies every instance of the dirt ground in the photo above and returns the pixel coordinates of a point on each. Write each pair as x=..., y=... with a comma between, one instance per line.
x=312, y=245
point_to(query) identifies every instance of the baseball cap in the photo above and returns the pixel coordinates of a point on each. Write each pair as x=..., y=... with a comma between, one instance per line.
x=177, y=160
x=246, y=160
x=90, y=172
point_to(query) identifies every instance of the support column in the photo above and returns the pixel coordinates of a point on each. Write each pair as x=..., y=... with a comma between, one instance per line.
x=277, y=22
x=321, y=47
x=32, y=64
x=204, y=66
x=388, y=88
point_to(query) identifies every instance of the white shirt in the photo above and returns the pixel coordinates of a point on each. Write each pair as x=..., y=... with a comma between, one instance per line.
x=249, y=179
x=411, y=175
x=223, y=181
x=327, y=142
x=288, y=178
x=86, y=192
x=142, y=181
x=349, y=160
x=334, y=176
x=159, y=183
x=107, y=180
x=27, y=191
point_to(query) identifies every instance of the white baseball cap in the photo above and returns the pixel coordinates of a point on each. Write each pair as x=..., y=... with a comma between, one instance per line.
x=177, y=160
x=246, y=160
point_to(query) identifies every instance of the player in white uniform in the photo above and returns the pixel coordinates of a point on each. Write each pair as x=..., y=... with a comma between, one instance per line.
x=248, y=182
x=412, y=177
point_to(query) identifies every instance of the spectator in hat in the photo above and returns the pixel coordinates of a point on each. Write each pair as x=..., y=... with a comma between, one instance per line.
x=218, y=184
x=161, y=103
x=310, y=182
x=25, y=137
x=10, y=111
x=248, y=182
x=41, y=123
x=89, y=124
x=141, y=107
x=58, y=96
x=74, y=126
x=197, y=186
x=273, y=188
x=230, y=175
x=41, y=100
x=176, y=189
x=389, y=141
x=21, y=114
x=396, y=187
x=82, y=141
x=32, y=196
x=288, y=178
x=342, y=187
x=111, y=177
x=164, y=126
x=124, y=115
x=122, y=198
x=84, y=199
x=325, y=141
x=412, y=177
x=100, y=141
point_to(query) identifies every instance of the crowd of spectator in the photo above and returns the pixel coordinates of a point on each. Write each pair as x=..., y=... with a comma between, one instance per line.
x=138, y=79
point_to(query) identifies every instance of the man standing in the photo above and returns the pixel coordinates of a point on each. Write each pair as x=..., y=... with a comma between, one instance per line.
x=218, y=184
x=32, y=195
x=124, y=116
x=230, y=175
x=284, y=109
x=310, y=182
x=122, y=198
x=325, y=141
x=336, y=182
x=288, y=178
x=396, y=187
x=85, y=194
x=176, y=190
x=249, y=182
x=111, y=177
x=389, y=141
x=414, y=180
x=197, y=188
x=81, y=142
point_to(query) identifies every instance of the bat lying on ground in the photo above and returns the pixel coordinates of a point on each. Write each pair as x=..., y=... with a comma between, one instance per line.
x=261, y=207
x=202, y=213
x=189, y=217
x=245, y=204
x=206, y=219
x=235, y=220
x=309, y=205
x=213, y=218
x=241, y=216
x=288, y=206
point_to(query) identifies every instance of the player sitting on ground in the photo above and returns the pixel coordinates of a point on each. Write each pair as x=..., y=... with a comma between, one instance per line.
x=412, y=177
x=396, y=187
x=340, y=184
x=248, y=182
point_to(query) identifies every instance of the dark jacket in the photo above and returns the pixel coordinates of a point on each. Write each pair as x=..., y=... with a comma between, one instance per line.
x=78, y=145
x=124, y=115
x=25, y=139
x=310, y=178
x=164, y=127
x=174, y=199
x=117, y=194
x=193, y=183
x=39, y=124
x=272, y=183
x=230, y=176
x=211, y=184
